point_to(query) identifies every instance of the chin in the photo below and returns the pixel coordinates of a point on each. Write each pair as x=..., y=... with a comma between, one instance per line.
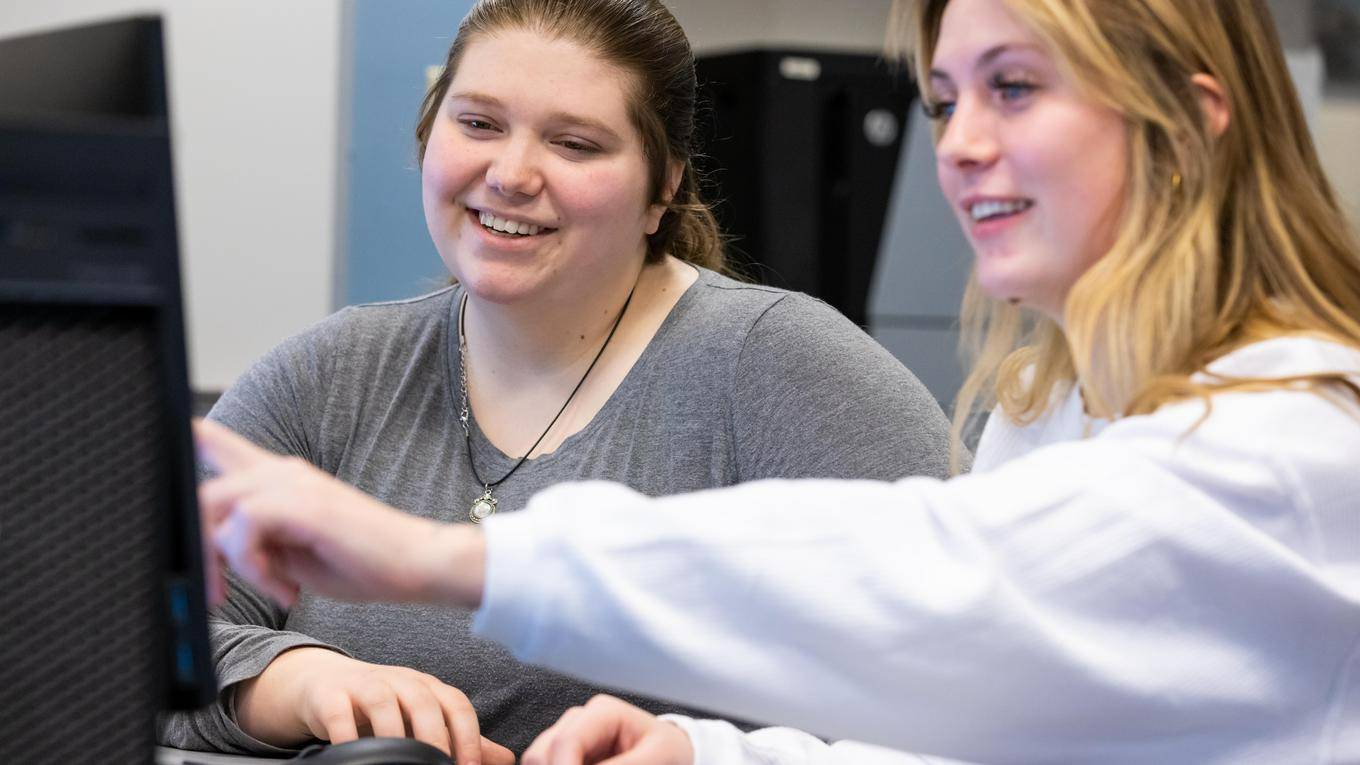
x=1005, y=287
x=502, y=286
x=495, y=291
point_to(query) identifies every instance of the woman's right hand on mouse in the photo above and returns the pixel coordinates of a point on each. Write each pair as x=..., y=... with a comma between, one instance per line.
x=315, y=693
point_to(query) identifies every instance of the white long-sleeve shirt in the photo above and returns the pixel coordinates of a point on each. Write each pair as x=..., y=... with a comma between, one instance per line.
x=1157, y=592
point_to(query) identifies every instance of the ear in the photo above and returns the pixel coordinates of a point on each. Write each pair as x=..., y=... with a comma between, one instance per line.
x=1213, y=102
x=658, y=210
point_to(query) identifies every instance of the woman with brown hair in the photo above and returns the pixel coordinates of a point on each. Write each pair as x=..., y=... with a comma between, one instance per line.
x=590, y=335
x=1157, y=556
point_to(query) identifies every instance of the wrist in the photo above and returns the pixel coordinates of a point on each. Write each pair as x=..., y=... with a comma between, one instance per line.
x=455, y=570
x=267, y=705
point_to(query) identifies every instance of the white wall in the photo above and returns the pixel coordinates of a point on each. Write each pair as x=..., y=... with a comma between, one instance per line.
x=253, y=90
x=716, y=25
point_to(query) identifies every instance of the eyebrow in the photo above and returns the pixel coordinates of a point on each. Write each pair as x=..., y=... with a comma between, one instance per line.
x=987, y=57
x=563, y=117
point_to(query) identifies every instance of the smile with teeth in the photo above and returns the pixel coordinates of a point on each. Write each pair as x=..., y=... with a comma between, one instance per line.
x=507, y=226
x=997, y=208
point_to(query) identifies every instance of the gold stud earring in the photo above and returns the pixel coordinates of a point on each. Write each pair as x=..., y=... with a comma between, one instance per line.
x=1175, y=180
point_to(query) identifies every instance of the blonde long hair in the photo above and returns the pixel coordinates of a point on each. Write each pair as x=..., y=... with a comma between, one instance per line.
x=1222, y=240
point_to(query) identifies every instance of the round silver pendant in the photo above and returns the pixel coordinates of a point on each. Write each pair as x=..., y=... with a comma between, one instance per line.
x=482, y=508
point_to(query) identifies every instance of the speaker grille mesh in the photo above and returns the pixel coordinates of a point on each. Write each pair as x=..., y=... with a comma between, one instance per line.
x=81, y=483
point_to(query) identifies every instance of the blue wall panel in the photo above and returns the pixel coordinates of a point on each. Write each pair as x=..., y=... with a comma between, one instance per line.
x=387, y=252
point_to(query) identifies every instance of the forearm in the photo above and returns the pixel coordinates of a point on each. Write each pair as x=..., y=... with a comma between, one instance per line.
x=241, y=652
x=267, y=705
x=929, y=618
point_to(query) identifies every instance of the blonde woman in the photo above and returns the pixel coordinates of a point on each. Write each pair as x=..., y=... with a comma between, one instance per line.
x=1157, y=558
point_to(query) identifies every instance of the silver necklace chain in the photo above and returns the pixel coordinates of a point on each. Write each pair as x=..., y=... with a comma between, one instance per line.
x=485, y=504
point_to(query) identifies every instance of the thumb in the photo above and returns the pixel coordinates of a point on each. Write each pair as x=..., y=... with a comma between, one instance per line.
x=652, y=750
x=242, y=542
x=223, y=449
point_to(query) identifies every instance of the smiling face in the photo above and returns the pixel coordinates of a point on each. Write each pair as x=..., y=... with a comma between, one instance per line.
x=534, y=181
x=1035, y=170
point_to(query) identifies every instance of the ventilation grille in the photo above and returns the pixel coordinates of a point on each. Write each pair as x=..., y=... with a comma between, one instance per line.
x=81, y=486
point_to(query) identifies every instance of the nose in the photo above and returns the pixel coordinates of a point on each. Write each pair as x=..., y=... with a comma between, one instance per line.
x=514, y=170
x=969, y=140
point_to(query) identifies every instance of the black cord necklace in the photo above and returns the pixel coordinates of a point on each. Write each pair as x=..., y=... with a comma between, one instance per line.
x=485, y=505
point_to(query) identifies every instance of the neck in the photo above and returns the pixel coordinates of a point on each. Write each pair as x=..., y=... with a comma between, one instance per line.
x=546, y=337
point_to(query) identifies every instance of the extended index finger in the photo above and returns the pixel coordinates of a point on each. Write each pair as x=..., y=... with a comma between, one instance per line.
x=223, y=449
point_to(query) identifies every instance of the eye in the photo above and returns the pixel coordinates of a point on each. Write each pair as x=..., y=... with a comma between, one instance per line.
x=577, y=147
x=940, y=111
x=477, y=124
x=1012, y=89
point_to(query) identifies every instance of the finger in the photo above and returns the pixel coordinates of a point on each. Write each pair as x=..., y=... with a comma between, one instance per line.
x=425, y=715
x=461, y=719
x=605, y=727
x=495, y=754
x=567, y=750
x=218, y=496
x=378, y=702
x=223, y=449
x=580, y=733
x=214, y=503
x=537, y=753
x=651, y=750
x=213, y=580
x=337, y=719
x=284, y=588
x=239, y=540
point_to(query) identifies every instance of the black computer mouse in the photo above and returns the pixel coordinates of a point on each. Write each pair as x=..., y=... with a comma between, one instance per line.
x=373, y=751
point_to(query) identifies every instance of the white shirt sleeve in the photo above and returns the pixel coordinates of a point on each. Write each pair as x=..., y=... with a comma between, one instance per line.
x=1145, y=596
x=717, y=742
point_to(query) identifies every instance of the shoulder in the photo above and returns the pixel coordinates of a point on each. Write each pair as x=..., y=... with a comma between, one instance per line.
x=763, y=316
x=366, y=327
x=324, y=373
x=366, y=332
x=391, y=319
x=725, y=306
x=1276, y=415
x=764, y=304
x=1301, y=439
x=718, y=319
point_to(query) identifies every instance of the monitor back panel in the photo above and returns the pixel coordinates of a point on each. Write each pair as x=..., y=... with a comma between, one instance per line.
x=83, y=486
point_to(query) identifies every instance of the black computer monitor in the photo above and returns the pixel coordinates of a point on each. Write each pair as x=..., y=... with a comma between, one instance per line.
x=102, y=614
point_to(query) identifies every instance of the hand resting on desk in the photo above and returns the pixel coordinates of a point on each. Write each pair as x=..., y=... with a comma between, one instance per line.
x=314, y=693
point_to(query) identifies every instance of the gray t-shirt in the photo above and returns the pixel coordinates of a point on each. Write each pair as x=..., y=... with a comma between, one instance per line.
x=741, y=382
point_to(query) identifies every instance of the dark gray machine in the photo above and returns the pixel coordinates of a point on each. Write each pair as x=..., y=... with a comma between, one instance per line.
x=800, y=159
x=824, y=172
x=101, y=584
